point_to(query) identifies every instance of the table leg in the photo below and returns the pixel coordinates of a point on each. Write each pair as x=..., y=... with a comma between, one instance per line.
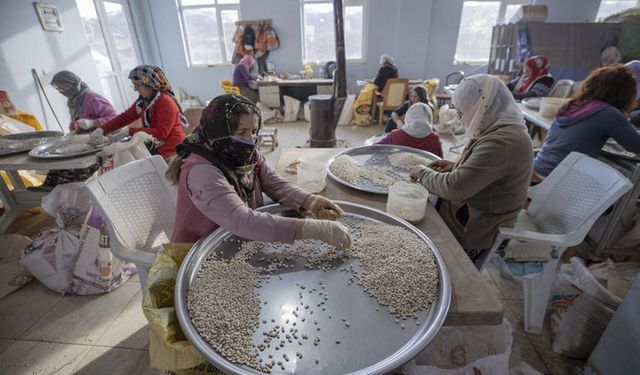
x=11, y=208
x=16, y=180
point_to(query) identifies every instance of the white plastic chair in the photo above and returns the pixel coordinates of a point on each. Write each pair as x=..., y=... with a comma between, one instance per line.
x=139, y=208
x=562, y=89
x=563, y=208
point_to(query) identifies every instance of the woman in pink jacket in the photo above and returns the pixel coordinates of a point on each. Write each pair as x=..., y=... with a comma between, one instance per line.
x=221, y=176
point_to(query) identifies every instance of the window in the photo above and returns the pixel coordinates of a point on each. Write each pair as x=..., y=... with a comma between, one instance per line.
x=318, y=30
x=476, y=27
x=609, y=7
x=92, y=29
x=207, y=29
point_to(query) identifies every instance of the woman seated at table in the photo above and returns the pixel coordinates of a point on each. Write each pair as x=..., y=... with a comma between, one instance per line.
x=485, y=188
x=387, y=70
x=535, y=80
x=416, y=131
x=221, y=176
x=585, y=123
x=634, y=116
x=87, y=109
x=243, y=78
x=417, y=95
x=156, y=107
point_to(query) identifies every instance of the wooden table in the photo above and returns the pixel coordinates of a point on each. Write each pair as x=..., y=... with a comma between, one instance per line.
x=472, y=301
x=20, y=199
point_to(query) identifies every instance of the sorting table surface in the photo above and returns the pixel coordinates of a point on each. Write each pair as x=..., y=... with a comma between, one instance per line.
x=472, y=301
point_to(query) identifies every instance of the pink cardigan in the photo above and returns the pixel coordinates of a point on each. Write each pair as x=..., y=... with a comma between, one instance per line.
x=206, y=200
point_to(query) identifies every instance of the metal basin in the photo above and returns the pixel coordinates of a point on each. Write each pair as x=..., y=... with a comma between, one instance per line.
x=374, y=343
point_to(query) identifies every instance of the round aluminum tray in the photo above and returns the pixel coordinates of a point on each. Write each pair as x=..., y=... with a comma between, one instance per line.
x=374, y=343
x=22, y=142
x=47, y=151
x=376, y=156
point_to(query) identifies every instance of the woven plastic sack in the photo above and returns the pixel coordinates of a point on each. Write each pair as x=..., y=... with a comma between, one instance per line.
x=169, y=350
x=362, y=106
x=581, y=310
x=465, y=350
x=121, y=153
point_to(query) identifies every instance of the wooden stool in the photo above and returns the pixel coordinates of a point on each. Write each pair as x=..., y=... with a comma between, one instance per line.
x=268, y=137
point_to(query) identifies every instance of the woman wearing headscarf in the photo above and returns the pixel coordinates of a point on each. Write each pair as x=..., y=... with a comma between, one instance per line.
x=87, y=108
x=486, y=187
x=221, y=176
x=634, y=116
x=588, y=121
x=535, y=80
x=418, y=94
x=387, y=70
x=242, y=77
x=156, y=107
x=416, y=131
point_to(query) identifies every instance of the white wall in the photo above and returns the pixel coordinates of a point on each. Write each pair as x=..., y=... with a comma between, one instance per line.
x=24, y=45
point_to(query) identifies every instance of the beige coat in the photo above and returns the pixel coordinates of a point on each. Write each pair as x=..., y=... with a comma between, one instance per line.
x=487, y=187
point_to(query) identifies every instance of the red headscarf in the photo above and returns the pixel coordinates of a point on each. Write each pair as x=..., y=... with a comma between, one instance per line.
x=538, y=66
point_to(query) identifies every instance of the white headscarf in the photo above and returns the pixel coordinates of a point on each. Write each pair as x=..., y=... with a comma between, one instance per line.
x=485, y=101
x=387, y=59
x=417, y=120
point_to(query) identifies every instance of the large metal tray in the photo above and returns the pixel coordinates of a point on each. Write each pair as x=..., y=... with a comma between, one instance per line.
x=376, y=156
x=44, y=151
x=22, y=142
x=374, y=344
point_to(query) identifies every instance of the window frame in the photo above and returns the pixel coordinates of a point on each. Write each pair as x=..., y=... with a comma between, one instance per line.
x=346, y=3
x=601, y=18
x=226, y=60
x=499, y=20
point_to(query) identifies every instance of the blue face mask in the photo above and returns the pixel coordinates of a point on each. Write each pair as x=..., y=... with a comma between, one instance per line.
x=243, y=141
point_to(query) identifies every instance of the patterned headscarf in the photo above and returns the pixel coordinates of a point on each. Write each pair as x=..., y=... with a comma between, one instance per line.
x=538, y=67
x=154, y=78
x=212, y=140
x=74, y=89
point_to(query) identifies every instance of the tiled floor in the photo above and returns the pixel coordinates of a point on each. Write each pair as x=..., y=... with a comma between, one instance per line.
x=42, y=332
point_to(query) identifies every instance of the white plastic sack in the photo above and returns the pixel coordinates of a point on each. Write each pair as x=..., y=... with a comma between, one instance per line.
x=120, y=153
x=97, y=270
x=465, y=350
x=617, y=276
x=447, y=120
x=581, y=310
x=267, y=114
x=291, y=109
x=52, y=256
x=67, y=204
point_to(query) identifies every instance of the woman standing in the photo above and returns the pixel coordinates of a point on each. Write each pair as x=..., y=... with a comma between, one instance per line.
x=156, y=107
x=486, y=187
x=242, y=77
x=221, y=176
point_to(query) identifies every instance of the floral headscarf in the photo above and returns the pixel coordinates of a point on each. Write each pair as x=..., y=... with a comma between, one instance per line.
x=538, y=67
x=212, y=140
x=154, y=78
x=74, y=89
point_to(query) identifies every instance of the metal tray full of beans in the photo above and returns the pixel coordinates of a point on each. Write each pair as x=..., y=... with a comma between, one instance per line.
x=374, y=168
x=306, y=308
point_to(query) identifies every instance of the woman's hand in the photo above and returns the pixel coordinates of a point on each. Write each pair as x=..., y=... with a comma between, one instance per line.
x=441, y=166
x=331, y=232
x=85, y=124
x=322, y=208
x=416, y=171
